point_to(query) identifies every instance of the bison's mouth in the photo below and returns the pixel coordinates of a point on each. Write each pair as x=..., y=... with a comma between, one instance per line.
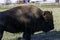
x=48, y=28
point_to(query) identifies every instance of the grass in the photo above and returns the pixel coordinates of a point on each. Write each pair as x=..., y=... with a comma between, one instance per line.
x=56, y=15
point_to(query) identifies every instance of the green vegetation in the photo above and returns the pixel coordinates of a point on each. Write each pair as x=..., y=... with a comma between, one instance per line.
x=56, y=15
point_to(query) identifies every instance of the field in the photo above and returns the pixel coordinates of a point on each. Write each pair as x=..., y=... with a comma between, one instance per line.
x=53, y=35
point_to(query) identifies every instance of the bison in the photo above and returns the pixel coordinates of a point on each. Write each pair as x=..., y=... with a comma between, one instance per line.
x=27, y=19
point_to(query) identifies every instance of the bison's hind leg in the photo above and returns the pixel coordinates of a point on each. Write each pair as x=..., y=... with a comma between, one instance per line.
x=1, y=31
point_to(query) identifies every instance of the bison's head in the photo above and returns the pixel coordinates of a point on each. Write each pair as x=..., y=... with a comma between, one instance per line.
x=48, y=17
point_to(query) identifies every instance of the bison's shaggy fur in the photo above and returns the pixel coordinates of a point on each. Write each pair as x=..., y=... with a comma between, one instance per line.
x=27, y=19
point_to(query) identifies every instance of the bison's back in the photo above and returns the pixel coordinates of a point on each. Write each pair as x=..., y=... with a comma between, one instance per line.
x=19, y=18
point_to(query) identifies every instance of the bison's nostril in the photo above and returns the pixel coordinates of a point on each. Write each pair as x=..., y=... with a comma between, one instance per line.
x=52, y=27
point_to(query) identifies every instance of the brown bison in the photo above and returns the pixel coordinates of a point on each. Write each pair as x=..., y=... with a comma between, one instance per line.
x=27, y=19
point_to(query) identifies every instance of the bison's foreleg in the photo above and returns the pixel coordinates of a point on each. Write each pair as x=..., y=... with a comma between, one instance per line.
x=27, y=34
x=1, y=31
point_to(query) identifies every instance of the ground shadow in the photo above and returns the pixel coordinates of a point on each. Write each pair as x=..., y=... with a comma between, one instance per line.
x=53, y=35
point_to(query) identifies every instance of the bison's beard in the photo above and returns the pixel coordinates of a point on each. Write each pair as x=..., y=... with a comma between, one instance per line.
x=48, y=26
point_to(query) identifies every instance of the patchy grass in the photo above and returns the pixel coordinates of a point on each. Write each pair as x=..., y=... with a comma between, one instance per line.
x=56, y=15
